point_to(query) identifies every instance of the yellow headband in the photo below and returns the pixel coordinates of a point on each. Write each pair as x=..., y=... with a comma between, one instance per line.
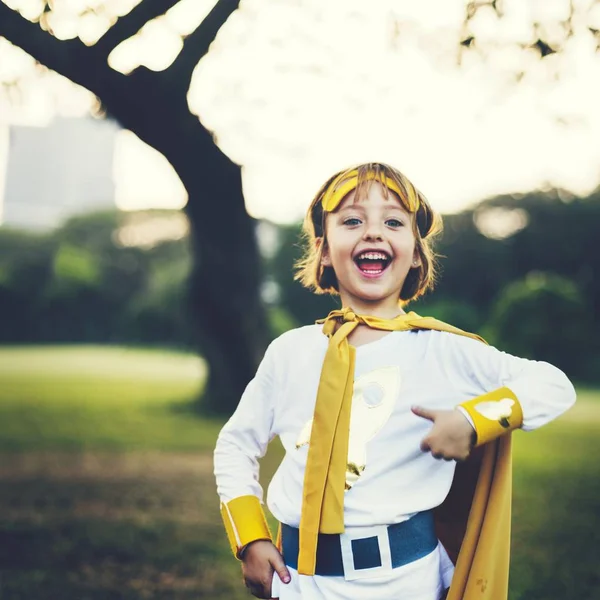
x=335, y=193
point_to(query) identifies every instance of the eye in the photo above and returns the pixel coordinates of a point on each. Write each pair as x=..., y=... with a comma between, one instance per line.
x=352, y=221
x=395, y=223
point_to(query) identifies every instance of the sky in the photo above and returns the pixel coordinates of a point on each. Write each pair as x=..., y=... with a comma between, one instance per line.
x=297, y=89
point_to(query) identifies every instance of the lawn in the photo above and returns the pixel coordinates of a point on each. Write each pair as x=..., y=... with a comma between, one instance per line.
x=106, y=487
x=89, y=397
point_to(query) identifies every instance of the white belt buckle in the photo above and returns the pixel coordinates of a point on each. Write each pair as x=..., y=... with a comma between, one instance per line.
x=361, y=533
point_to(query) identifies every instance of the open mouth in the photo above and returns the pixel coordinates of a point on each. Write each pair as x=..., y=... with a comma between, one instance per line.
x=372, y=263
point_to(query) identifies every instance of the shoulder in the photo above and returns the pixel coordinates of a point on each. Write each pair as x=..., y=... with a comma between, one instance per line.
x=450, y=339
x=464, y=340
x=465, y=358
x=442, y=333
x=296, y=349
x=454, y=350
x=298, y=338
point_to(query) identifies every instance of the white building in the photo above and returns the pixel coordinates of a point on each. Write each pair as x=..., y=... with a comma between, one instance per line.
x=58, y=171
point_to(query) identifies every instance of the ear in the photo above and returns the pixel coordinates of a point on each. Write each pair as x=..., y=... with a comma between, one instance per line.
x=325, y=257
x=416, y=261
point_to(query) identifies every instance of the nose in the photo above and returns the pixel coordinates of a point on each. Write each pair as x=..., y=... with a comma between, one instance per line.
x=373, y=232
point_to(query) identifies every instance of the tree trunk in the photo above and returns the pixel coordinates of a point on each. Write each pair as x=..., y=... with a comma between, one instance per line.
x=225, y=284
x=224, y=288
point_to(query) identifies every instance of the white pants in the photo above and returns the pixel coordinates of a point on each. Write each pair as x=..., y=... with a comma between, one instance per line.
x=423, y=579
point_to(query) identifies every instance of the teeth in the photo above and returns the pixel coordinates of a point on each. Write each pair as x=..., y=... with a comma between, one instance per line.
x=372, y=256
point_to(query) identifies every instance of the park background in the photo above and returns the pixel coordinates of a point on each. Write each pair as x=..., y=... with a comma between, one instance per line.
x=128, y=332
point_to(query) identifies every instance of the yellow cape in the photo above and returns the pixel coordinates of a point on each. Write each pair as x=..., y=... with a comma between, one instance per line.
x=474, y=521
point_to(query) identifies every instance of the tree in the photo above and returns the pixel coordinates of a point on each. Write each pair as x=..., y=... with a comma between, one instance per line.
x=545, y=317
x=539, y=231
x=25, y=269
x=225, y=282
x=224, y=289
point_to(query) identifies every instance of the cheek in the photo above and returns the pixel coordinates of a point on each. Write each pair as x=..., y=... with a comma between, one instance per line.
x=337, y=256
x=340, y=245
x=405, y=247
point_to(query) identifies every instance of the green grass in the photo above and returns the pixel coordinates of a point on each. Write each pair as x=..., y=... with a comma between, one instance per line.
x=556, y=507
x=106, y=486
x=88, y=397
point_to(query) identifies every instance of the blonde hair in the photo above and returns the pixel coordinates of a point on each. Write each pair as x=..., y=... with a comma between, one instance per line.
x=426, y=225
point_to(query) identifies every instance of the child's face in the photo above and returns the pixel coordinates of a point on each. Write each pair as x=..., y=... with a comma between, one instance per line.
x=371, y=247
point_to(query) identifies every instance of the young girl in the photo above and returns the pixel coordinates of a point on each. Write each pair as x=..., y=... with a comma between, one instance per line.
x=377, y=410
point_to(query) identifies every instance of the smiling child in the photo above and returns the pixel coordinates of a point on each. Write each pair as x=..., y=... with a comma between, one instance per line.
x=377, y=409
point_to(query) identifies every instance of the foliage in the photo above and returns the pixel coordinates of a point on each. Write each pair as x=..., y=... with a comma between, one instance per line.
x=25, y=269
x=557, y=235
x=74, y=266
x=80, y=283
x=544, y=316
x=554, y=234
x=111, y=277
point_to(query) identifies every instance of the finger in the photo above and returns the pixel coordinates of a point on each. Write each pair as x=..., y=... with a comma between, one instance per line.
x=280, y=568
x=425, y=447
x=425, y=413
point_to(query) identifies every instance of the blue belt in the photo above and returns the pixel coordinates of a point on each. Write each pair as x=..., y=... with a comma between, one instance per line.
x=408, y=541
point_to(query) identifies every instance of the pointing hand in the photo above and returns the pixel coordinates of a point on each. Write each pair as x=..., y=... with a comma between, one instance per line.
x=451, y=437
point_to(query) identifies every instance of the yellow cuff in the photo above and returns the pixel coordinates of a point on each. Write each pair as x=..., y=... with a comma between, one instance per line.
x=245, y=522
x=494, y=414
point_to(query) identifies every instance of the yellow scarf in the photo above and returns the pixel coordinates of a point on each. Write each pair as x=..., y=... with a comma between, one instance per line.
x=476, y=516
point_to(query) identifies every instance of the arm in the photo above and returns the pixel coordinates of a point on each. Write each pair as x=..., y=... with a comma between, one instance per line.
x=241, y=442
x=485, y=374
x=245, y=437
x=502, y=393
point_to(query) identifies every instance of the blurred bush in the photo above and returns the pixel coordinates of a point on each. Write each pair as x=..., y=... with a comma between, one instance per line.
x=545, y=316
x=108, y=277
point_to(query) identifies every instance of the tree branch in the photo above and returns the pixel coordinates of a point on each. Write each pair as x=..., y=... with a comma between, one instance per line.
x=132, y=22
x=196, y=44
x=143, y=102
x=125, y=96
x=70, y=58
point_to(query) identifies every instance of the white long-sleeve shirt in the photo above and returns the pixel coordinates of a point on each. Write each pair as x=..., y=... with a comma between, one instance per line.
x=432, y=369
